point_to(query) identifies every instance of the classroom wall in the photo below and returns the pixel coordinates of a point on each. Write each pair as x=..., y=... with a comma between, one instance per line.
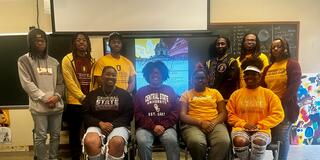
x=17, y=15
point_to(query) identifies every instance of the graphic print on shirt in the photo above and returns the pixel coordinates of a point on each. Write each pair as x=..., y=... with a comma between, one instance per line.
x=123, y=77
x=222, y=67
x=44, y=70
x=107, y=103
x=118, y=67
x=154, y=99
x=83, y=72
x=251, y=105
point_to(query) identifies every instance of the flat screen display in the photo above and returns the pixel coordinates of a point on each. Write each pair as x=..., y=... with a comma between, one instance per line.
x=173, y=52
x=179, y=53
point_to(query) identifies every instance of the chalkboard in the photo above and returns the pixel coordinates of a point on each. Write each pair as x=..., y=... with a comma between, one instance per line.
x=11, y=48
x=266, y=31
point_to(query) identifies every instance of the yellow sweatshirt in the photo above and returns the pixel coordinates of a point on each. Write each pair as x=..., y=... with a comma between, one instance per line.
x=259, y=106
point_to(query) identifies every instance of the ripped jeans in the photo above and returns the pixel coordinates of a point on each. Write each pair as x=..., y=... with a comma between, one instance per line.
x=257, y=151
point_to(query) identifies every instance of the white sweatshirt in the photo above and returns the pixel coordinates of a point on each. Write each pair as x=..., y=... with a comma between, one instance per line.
x=41, y=78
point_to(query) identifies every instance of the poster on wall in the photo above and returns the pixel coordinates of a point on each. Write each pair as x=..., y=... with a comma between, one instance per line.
x=306, y=130
x=5, y=131
x=173, y=52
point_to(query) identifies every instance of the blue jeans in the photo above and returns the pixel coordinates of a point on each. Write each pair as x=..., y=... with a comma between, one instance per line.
x=281, y=133
x=47, y=124
x=169, y=140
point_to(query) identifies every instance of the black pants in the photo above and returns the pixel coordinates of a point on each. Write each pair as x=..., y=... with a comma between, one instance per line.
x=73, y=117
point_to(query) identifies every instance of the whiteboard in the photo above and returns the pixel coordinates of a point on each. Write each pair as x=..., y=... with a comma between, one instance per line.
x=129, y=15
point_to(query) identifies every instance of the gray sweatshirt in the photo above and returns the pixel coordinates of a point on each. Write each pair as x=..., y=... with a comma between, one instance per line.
x=41, y=78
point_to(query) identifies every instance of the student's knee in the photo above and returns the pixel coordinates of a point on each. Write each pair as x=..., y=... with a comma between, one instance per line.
x=41, y=137
x=116, y=144
x=239, y=141
x=169, y=138
x=144, y=141
x=92, y=140
x=196, y=143
x=223, y=142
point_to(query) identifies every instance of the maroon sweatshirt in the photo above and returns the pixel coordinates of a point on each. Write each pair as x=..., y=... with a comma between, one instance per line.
x=156, y=106
x=289, y=100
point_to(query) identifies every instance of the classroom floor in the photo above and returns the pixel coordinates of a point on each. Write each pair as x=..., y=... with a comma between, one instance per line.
x=296, y=153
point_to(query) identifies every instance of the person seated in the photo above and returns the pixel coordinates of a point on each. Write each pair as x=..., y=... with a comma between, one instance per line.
x=252, y=111
x=108, y=111
x=156, y=113
x=203, y=113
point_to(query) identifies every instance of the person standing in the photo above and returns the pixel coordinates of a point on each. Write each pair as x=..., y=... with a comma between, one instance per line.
x=156, y=113
x=126, y=72
x=250, y=47
x=41, y=78
x=76, y=69
x=223, y=69
x=283, y=77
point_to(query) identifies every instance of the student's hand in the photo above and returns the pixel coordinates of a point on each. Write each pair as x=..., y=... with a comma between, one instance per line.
x=106, y=127
x=52, y=100
x=207, y=126
x=250, y=127
x=158, y=130
x=211, y=126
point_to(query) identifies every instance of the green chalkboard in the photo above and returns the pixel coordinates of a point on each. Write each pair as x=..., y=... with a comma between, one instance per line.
x=11, y=48
x=266, y=32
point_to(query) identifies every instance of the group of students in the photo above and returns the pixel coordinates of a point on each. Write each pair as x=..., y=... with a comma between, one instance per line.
x=99, y=94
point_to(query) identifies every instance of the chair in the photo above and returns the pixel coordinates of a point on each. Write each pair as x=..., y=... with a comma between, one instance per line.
x=275, y=148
